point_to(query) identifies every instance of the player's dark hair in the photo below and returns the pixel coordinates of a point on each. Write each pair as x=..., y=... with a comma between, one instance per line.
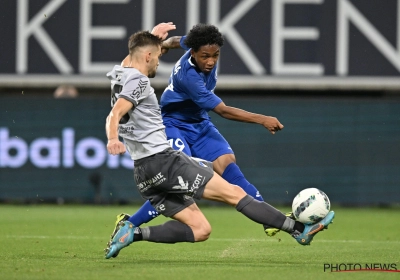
x=203, y=34
x=141, y=39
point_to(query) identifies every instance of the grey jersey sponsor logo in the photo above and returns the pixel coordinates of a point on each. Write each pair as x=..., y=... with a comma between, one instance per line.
x=160, y=208
x=197, y=182
x=155, y=181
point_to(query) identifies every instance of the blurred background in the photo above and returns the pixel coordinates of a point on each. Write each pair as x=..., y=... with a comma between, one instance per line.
x=328, y=70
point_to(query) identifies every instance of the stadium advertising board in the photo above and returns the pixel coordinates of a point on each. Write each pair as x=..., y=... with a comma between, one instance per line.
x=52, y=148
x=274, y=43
x=60, y=151
x=56, y=148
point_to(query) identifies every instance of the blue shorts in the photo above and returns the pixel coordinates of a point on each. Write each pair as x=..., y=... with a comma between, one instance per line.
x=201, y=140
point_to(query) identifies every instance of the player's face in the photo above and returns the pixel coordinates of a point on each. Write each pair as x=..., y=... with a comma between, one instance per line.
x=206, y=57
x=154, y=61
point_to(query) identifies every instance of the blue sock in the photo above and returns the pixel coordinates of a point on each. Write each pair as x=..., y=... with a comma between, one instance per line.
x=145, y=214
x=233, y=175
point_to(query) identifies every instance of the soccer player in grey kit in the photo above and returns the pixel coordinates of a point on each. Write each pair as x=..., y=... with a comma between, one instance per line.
x=170, y=179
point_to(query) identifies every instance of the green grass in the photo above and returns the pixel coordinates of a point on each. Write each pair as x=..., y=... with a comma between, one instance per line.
x=67, y=242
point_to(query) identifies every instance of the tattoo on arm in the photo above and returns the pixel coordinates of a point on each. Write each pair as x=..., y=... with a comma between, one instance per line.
x=172, y=42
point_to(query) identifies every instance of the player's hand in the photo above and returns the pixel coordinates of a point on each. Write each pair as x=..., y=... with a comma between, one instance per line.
x=272, y=124
x=161, y=29
x=115, y=147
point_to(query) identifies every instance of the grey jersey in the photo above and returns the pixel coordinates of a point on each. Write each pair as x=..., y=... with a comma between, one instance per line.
x=142, y=127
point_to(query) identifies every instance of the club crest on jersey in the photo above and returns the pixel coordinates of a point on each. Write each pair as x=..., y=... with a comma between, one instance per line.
x=200, y=162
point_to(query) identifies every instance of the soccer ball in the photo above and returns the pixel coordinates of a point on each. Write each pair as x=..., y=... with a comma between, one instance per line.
x=310, y=206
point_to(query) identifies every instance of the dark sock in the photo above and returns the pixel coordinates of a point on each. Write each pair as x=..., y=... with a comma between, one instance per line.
x=169, y=232
x=234, y=175
x=263, y=213
x=298, y=226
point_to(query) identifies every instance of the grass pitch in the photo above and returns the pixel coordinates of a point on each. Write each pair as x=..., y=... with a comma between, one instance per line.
x=67, y=242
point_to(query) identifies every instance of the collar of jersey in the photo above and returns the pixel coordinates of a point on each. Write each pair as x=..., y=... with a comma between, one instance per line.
x=190, y=62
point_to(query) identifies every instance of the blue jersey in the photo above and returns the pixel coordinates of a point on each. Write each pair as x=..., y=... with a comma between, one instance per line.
x=189, y=95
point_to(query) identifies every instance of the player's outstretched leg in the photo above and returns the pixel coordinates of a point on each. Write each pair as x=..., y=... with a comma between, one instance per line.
x=234, y=175
x=310, y=231
x=270, y=231
x=261, y=212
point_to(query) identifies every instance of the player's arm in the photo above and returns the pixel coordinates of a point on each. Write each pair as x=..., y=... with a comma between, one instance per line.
x=121, y=107
x=207, y=100
x=171, y=43
x=236, y=114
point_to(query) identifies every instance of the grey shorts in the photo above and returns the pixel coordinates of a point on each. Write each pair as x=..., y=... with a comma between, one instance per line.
x=171, y=179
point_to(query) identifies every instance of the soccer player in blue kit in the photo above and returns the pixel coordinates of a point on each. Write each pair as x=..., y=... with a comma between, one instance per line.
x=184, y=106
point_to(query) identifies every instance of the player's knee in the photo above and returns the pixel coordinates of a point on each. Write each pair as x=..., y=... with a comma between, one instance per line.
x=220, y=164
x=202, y=231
